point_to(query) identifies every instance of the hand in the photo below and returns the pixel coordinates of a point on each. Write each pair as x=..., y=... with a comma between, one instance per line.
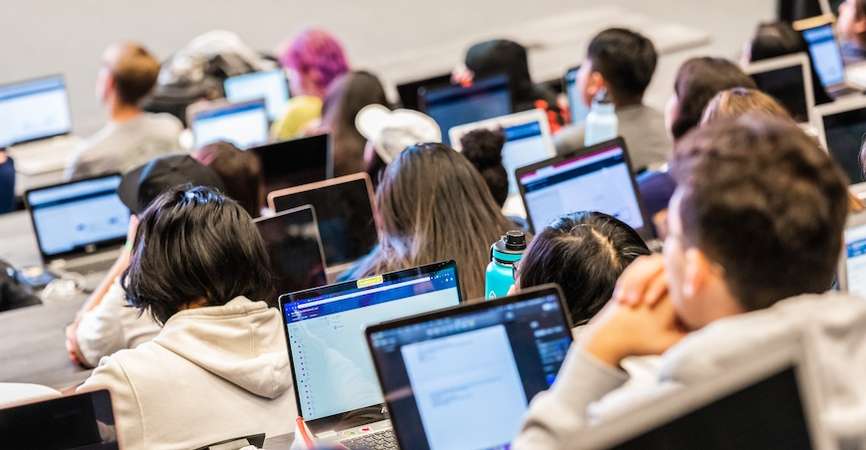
x=643, y=282
x=462, y=75
x=72, y=348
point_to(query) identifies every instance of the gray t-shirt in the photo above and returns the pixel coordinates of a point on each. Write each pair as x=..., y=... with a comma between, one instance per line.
x=643, y=129
x=119, y=147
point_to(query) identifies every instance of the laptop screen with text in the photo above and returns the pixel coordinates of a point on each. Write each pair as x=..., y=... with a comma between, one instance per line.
x=34, y=109
x=826, y=55
x=243, y=125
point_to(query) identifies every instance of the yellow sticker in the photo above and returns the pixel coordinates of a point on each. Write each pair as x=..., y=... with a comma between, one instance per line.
x=371, y=281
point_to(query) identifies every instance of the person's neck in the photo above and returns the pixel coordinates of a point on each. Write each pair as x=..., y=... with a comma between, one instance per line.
x=626, y=103
x=121, y=112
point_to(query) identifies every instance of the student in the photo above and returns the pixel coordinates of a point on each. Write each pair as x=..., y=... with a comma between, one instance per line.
x=584, y=253
x=756, y=221
x=483, y=148
x=218, y=369
x=312, y=61
x=132, y=137
x=346, y=96
x=240, y=172
x=7, y=182
x=735, y=102
x=851, y=26
x=432, y=205
x=106, y=323
x=622, y=62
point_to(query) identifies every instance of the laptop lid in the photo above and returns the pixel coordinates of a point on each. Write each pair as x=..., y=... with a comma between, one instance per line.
x=408, y=91
x=295, y=162
x=596, y=178
x=241, y=124
x=270, y=85
x=333, y=375
x=81, y=421
x=576, y=107
x=77, y=218
x=766, y=402
x=841, y=126
x=344, y=209
x=787, y=79
x=34, y=109
x=463, y=377
x=455, y=105
x=851, y=274
x=294, y=248
x=527, y=140
x=823, y=49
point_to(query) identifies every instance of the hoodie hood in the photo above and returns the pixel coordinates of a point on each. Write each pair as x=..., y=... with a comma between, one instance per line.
x=241, y=342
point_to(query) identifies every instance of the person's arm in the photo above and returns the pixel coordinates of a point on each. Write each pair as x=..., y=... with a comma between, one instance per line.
x=99, y=331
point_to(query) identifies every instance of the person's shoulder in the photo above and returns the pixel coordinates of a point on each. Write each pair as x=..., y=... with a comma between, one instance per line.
x=164, y=121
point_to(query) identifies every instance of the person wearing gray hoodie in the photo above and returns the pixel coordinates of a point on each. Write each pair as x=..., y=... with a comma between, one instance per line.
x=755, y=234
x=218, y=369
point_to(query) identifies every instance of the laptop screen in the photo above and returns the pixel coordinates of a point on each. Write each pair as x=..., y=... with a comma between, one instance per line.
x=844, y=132
x=344, y=210
x=242, y=124
x=79, y=421
x=270, y=85
x=408, y=92
x=463, y=378
x=788, y=87
x=826, y=55
x=450, y=106
x=295, y=249
x=575, y=103
x=325, y=327
x=598, y=179
x=296, y=162
x=76, y=217
x=855, y=260
x=34, y=109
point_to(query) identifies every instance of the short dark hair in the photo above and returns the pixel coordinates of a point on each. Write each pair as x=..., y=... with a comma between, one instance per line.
x=698, y=81
x=240, y=172
x=761, y=199
x=483, y=148
x=585, y=253
x=193, y=243
x=627, y=61
x=134, y=73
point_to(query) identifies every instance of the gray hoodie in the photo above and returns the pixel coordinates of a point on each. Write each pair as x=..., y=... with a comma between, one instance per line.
x=587, y=391
x=211, y=374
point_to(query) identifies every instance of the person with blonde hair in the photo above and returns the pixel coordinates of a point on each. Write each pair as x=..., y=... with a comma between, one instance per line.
x=734, y=102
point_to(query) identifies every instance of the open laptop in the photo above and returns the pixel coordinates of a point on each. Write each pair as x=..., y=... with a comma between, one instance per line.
x=576, y=107
x=788, y=79
x=82, y=421
x=294, y=248
x=825, y=54
x=455, y=105
x=596, y=178
x=335, y=383
x=35, y=122
x=344, y=209
x=841, y=127
x=80, y=225
x=295, y=162
x=851, y=275
x=270, y=85
x=462, y=378
x=767, y=402
x=408, y=91
x=242, y=124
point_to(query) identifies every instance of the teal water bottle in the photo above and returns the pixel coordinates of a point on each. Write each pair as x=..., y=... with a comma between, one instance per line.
x=601, y=122
x=504, y=256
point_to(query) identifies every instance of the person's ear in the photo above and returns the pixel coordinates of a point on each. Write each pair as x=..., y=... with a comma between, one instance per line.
x=859, y=26
x=697, y=274
x=594, y=84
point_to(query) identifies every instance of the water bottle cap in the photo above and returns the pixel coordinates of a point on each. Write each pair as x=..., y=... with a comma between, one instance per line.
x=510, y=248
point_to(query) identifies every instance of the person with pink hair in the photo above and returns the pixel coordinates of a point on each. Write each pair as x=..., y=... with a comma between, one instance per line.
x=312, y=61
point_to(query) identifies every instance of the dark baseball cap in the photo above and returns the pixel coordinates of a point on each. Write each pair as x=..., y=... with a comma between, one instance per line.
x=141, y=185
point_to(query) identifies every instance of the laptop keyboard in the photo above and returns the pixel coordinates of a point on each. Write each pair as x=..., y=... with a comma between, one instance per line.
x=382, y=440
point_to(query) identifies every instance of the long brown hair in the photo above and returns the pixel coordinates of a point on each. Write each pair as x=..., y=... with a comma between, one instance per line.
x=433, y=206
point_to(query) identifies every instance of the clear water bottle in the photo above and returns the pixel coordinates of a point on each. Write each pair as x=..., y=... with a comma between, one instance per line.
x=601, y=122
x=504, y=256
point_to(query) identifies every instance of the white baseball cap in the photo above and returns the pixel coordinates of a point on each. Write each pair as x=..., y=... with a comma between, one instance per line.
x=391, y=132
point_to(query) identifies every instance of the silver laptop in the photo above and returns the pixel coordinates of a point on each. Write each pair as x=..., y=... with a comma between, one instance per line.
x=80, y=225
x=788, y=79
x=826, y=55
x=771, y=401
x=852, y=264
x=336, y=389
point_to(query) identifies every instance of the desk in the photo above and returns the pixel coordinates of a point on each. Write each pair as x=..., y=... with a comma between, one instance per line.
x=281, y=442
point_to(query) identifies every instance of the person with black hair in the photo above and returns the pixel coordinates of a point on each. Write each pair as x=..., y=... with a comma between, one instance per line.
x=622, y=62
x=483, y=148
x=200, y=268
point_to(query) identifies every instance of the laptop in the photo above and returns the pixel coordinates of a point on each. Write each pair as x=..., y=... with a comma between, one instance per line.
x=576, y=107
x=295, y=162
x=597, y=178
x=335, y=383
x=408, y=91
x=243, y=124
x=79, y=225
x=344, y=209
x=767, y=402
x=294, y=248
x=825, y=54
x=851, y=275
x=788, y=79
x=841, y=127
x=35, y=122
x=82, y=421
x=462, y=378
x=270, y=85
x=455, y=105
